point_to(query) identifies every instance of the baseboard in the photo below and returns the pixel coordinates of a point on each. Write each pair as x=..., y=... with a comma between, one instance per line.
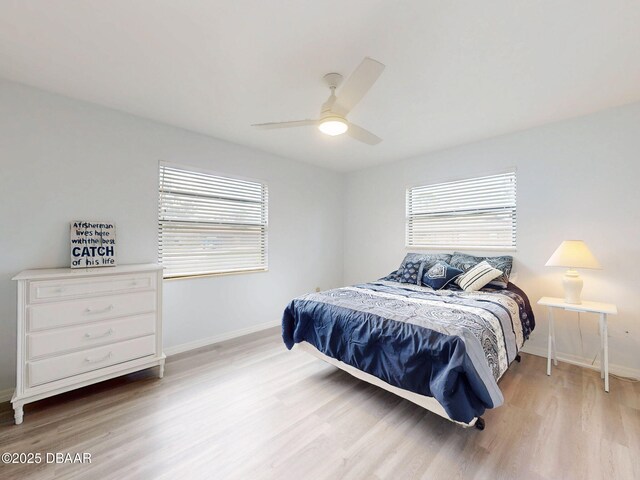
x=203, y=342
x=6, y=394
x=619, y=370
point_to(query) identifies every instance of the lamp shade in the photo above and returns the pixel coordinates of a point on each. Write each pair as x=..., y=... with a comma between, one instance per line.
x=573, y=254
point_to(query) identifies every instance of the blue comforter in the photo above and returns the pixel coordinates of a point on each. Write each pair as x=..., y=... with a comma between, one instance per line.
x=447, y=344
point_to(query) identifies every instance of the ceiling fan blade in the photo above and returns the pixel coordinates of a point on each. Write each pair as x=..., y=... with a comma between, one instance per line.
x=328, y=105
x=295, y=123
x=357, y=85
x=363, y=135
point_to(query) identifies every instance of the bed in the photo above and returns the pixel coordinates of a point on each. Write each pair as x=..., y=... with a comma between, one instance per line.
x=444, y=350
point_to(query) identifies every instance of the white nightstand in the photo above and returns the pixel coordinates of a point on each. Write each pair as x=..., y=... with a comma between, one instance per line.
x=603, y=309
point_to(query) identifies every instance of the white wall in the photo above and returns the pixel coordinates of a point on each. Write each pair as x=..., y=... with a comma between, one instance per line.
x=576, y=179
x=62, y=160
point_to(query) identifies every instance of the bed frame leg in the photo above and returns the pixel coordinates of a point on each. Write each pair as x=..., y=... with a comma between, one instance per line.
x=480, y=423
x=518, y=358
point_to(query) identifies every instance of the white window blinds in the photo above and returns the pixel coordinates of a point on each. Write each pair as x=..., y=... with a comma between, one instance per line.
x=210, y=224
x=473, y=213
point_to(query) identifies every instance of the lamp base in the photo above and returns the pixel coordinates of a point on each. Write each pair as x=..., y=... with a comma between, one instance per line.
x=572, y=287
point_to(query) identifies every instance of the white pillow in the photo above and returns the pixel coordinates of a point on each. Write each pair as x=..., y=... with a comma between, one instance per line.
x=477, y=277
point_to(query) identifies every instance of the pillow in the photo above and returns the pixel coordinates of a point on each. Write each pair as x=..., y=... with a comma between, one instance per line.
x=477, y=277
x=504, y=263
x=393, y=276
x=429, y=259
x=410, y=272
x=438, y=276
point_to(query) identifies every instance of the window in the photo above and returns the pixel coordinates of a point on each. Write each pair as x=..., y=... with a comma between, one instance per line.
x=210, y=224
x=474, y=213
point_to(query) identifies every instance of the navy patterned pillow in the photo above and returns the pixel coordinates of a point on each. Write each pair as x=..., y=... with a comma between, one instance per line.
x=504, y=263
x=410, y=272
x=393, y=276
x=429, y=259
x=438, y=276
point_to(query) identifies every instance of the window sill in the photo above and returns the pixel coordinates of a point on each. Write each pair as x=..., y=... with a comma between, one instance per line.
x=216, y=274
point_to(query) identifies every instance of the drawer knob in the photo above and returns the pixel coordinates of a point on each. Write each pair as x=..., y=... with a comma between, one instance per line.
x=98, y=360
x=105, y=334
x=102, y=310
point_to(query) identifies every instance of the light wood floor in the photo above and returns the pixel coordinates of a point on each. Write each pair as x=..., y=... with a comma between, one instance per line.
x=250, y=409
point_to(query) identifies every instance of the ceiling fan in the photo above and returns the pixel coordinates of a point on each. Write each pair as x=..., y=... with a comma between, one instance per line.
x=334, y=111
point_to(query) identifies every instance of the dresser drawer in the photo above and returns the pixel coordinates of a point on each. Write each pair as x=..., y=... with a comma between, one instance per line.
x=52, y=290
x=51, y=369
x=84, y=311
x=51, y=342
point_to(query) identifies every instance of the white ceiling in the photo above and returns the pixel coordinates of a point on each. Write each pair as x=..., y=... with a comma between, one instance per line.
x=457, y=71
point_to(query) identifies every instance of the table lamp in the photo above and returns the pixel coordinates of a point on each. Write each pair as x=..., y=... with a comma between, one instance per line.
x=572, y=254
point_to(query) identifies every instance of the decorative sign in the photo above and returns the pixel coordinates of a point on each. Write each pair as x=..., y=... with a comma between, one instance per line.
x=93, y=244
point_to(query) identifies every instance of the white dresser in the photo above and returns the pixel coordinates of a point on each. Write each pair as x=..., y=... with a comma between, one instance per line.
x=81, y=326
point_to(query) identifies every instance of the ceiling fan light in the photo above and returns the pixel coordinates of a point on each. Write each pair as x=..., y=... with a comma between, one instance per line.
x=333, y=126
